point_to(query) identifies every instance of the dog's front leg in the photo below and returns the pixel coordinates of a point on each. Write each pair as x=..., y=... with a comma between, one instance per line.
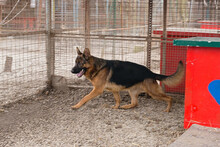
x=95, y=92
x=117, y=100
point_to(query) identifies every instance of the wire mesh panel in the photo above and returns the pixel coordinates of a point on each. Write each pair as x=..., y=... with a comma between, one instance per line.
x=113, y=22
x=23, y=68
x=22, y=15
x=120, y=30
x=185, y=19
x=22, y=49
x=127, y=50
x=111, y=29
x=68, y=15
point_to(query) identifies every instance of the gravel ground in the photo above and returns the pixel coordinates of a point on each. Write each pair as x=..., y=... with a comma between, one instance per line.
x=48, y=120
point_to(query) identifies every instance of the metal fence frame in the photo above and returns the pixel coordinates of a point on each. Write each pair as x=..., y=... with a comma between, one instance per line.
x=51, y=33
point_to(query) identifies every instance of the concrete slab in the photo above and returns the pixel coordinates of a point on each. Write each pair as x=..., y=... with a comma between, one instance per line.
x=199, y=136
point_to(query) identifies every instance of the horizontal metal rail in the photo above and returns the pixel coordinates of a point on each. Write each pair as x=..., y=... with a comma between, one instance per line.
x=23, y=33
x=106, y=37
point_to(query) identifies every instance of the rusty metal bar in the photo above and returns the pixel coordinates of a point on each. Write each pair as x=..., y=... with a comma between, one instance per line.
x=87, y=24
x=23, y=33
x=164, y=38
x=39, y=14
x=150, y=13
x=49, y=45
x=122, y=38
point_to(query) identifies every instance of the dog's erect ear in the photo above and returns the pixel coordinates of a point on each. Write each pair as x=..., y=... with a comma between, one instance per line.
x=86, y=53
x=78, y=51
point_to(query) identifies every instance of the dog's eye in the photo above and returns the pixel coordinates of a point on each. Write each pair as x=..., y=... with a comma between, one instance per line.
x=80, y=64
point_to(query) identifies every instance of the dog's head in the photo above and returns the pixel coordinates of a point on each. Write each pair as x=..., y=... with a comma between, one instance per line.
x=82, y=62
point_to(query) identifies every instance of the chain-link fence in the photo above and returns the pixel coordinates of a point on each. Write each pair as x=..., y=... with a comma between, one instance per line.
x=23, y=68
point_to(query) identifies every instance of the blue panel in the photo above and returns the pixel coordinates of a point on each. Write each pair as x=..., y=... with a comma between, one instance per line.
x=214, y=89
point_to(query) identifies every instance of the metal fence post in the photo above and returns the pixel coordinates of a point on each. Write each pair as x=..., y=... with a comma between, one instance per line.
x=149, y=35
x=87, y=24
x=164, y=38
x=49, y=45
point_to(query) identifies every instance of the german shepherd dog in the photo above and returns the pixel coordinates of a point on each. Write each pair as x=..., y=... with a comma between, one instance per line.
x=115, y=76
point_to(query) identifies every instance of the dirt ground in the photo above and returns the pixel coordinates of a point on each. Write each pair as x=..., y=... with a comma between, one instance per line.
x=48, y=120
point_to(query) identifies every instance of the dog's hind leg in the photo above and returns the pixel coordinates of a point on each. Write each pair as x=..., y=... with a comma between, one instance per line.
x=95, y=92
x=156, y=92
x=117, y=100
x=164, y=97
x=134, y=99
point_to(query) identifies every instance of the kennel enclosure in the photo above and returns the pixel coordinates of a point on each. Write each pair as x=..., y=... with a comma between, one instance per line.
x=39, y=37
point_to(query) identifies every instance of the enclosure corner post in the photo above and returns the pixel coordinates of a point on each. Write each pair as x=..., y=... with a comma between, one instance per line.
x=49, y=45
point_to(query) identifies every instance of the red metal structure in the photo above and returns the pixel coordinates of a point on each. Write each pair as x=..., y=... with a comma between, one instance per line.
x=209, y=25
x=176, y=53
x=202, y=93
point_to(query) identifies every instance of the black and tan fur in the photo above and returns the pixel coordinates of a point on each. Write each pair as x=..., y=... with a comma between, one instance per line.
x=115, y=76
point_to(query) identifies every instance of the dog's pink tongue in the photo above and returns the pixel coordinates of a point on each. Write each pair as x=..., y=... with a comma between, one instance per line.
x=80, y=73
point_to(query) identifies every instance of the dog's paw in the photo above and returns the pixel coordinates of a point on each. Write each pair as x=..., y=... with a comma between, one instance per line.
x=115, y=107
x=167, y=110
x=75, y=107
x=128, y=106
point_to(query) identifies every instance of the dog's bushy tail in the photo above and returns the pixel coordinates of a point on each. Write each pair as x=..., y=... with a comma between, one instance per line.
x=173, y=79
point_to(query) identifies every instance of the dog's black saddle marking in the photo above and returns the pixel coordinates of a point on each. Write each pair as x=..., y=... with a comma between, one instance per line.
x=127, y=73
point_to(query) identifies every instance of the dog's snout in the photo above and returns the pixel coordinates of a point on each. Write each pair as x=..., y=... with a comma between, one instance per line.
x=73, y=70
x=76, y=69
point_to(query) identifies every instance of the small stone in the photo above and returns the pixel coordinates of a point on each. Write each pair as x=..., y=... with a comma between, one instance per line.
x=108, y=123
x=118, y=126
x=109, y=130
x=2, y=110
x=47, y=93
